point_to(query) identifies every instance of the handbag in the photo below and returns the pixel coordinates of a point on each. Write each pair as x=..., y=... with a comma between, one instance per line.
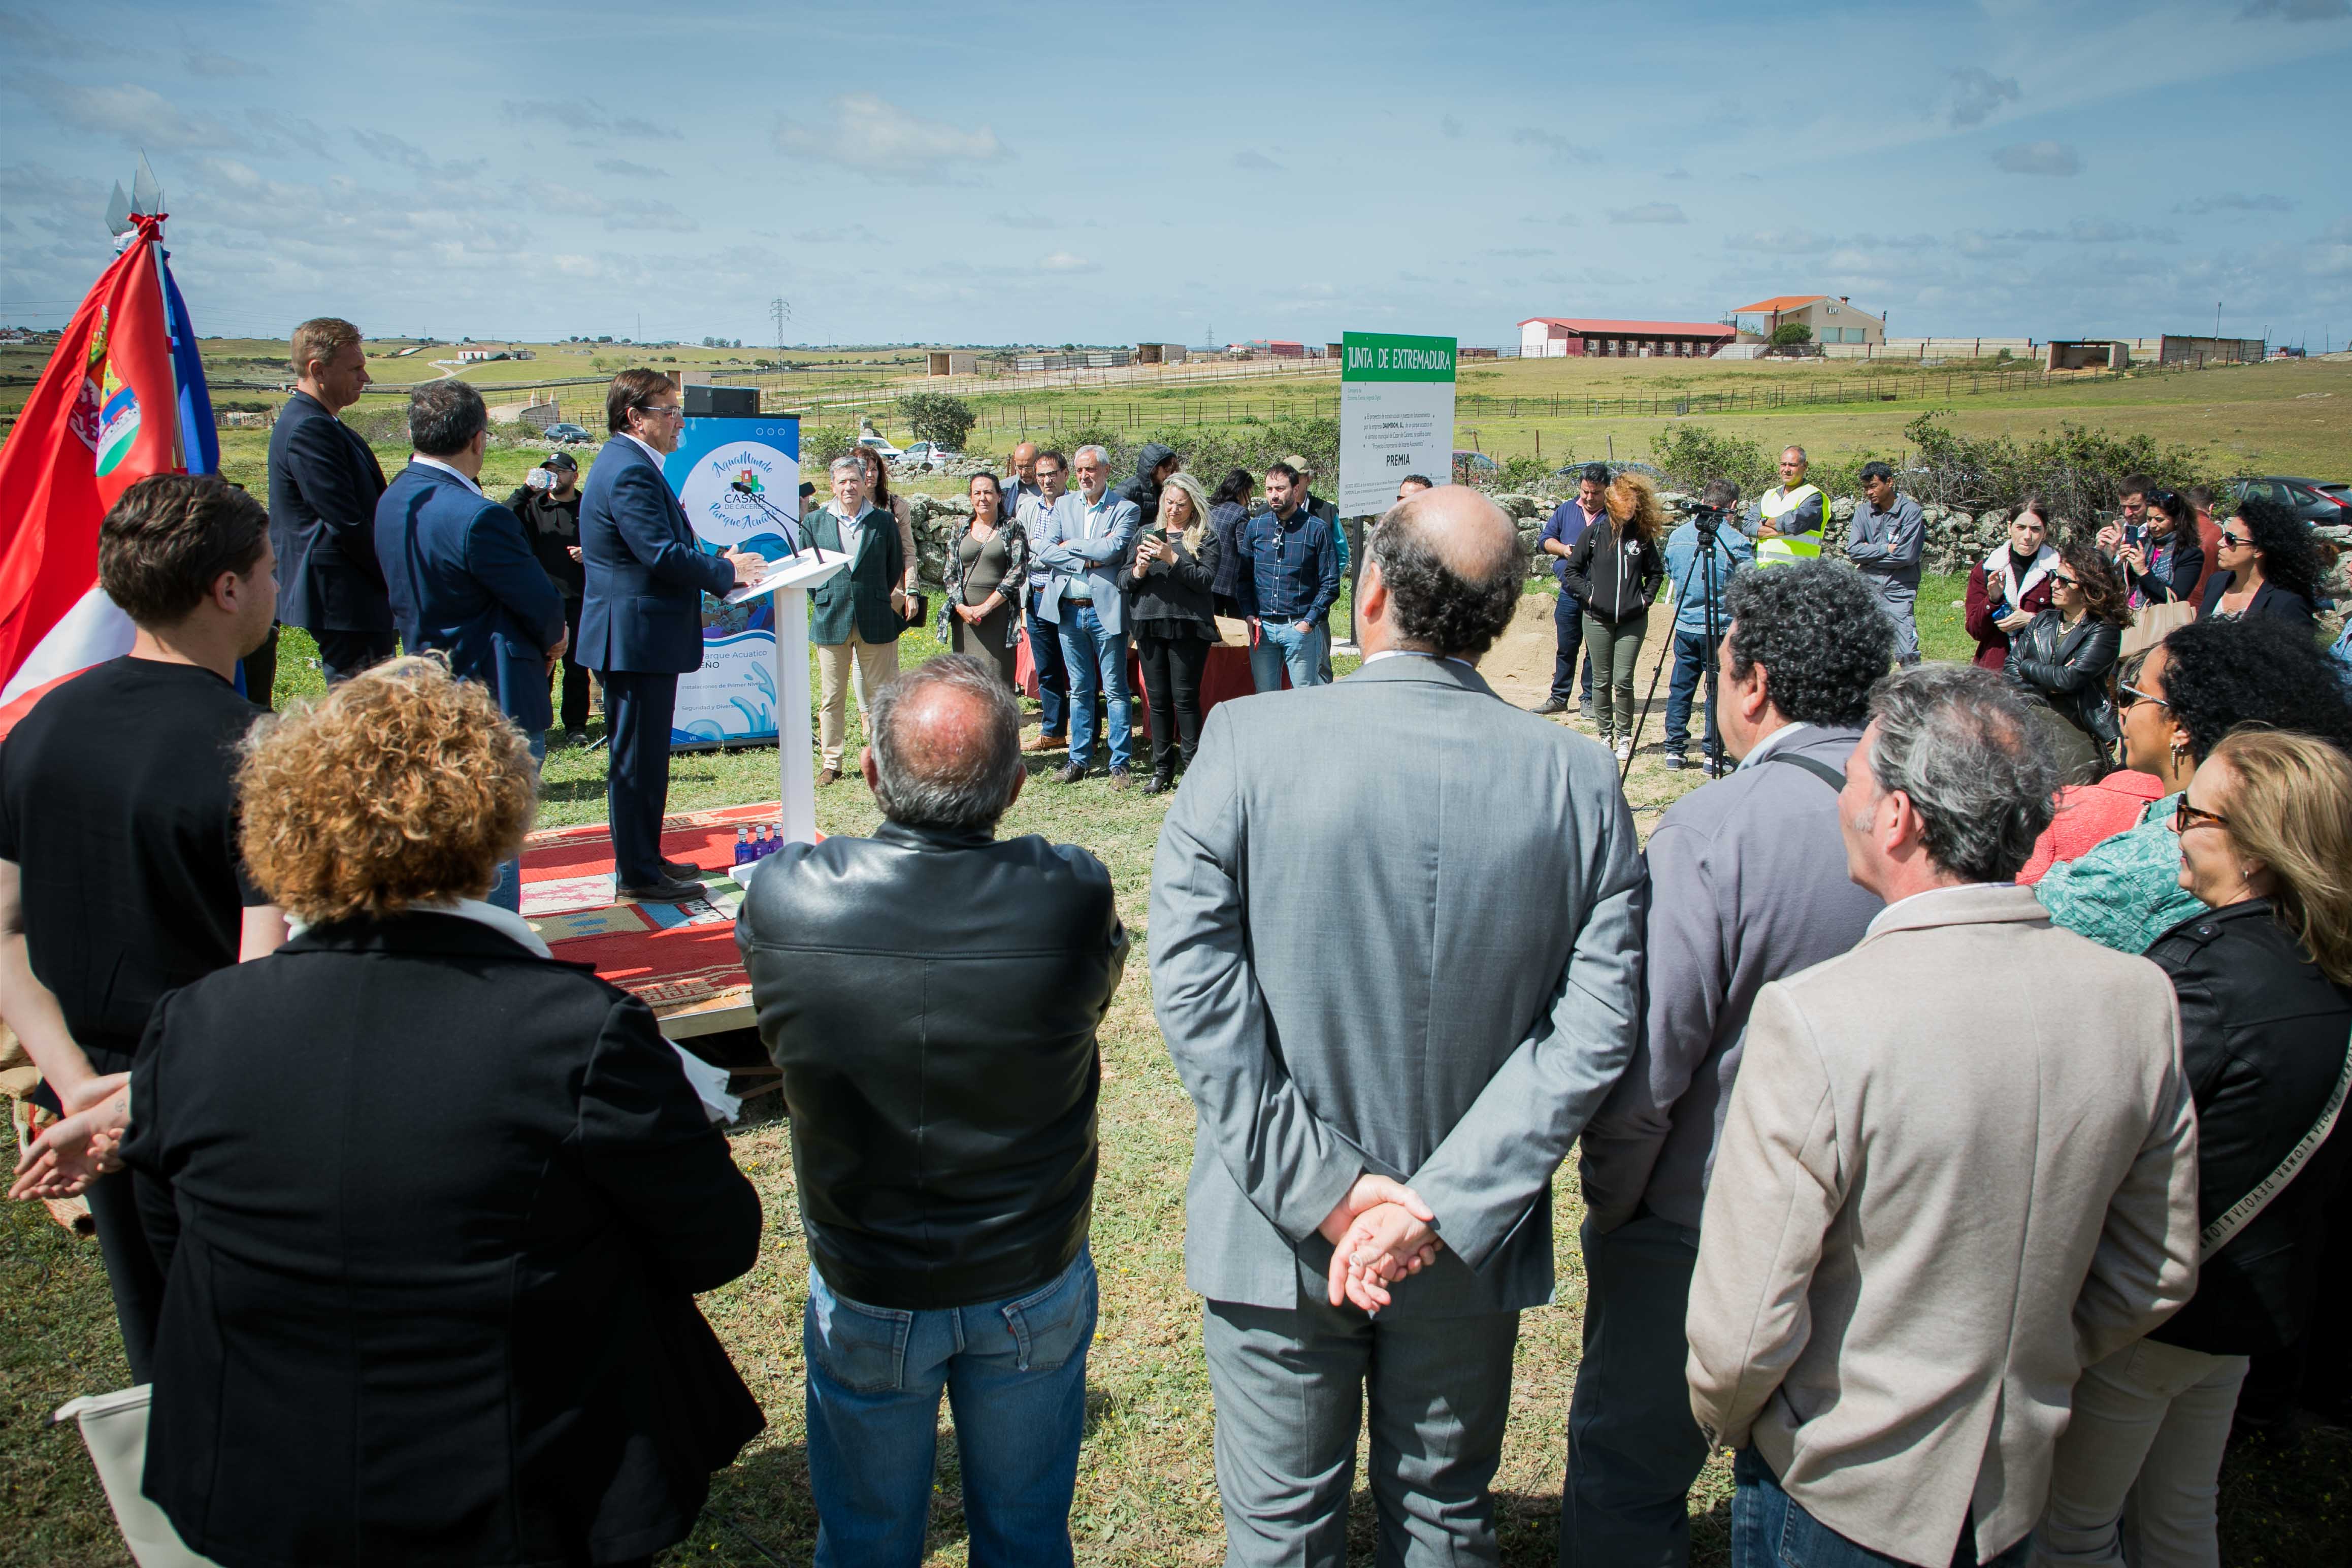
x=2151, y=623
x=2241, y=1213
x=114, y=1430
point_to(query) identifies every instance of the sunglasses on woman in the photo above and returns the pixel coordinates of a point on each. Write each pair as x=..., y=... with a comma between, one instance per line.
x=2132, y=697
x=2185, y=816
x=2234, y=541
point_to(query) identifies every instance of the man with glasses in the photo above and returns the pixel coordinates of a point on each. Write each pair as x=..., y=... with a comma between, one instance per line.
x=640, y=621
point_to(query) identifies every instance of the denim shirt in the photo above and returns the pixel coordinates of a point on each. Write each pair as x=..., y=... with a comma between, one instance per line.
x=1732, y=551
x=1291, y=571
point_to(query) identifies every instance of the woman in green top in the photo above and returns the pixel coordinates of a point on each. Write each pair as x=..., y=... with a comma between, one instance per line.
x=2194, y=686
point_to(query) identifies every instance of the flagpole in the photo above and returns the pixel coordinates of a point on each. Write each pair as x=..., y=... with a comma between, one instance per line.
x=172, y=330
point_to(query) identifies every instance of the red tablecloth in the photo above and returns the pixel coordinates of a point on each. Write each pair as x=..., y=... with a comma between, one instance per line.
x=1227, y=674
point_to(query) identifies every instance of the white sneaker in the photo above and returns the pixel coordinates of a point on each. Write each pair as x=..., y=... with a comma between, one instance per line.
x=1625, y=748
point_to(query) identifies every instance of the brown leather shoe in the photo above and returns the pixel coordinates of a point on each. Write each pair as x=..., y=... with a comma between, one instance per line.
x=830, y=775
x=1041, y=742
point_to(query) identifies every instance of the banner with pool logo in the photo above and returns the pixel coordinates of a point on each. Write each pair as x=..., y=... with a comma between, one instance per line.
x=734, y=475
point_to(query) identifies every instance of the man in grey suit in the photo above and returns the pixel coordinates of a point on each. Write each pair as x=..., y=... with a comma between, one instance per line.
x=1747, y=885
x=1395, y=998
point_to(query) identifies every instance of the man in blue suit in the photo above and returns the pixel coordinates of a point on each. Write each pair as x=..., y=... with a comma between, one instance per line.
x=323, y=486
x=641, y=620
x=461, y=575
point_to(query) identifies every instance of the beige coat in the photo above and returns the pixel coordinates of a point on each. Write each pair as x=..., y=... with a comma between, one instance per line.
x=1959, y=1166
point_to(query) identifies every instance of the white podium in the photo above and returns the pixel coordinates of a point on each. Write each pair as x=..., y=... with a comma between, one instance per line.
x=789, y=580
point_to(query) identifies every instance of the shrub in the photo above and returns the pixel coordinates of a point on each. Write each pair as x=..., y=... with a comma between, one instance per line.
x=820, y=445
x=935, y=416
x=1524, y=473
x=2079, y=470
x=1790, y=333
x=1691, y=455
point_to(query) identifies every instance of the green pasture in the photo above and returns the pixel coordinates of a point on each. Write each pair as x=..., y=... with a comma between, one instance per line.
x=1147, y=1489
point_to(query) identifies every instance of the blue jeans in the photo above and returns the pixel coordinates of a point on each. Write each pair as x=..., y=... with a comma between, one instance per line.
x=1016, y=1376
x=1053, y=676
x=1770, y=1530
x=1691, y=656
x=1094, y=656
x=1567, y=634
x=505, y=892
x=1280, y=646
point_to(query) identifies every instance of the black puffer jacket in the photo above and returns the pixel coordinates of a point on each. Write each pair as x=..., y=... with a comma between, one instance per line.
x=2263, y=1036
x=932, y=998
x=1614, y=577
x=1140, y=488
x=2069, y=670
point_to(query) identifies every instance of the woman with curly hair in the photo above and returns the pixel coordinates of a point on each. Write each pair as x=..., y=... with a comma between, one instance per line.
x=2063, y=656
x=2271, y=567
x=409, y=1177
x=1615, y=571
x=2193, y=688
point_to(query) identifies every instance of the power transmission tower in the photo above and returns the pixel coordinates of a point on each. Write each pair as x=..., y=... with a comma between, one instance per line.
x=780, y=310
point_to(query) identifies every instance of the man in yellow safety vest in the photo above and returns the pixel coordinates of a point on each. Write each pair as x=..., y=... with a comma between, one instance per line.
x=1786, y=521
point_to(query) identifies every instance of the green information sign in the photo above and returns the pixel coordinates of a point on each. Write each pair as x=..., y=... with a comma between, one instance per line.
x=1380, y=356
x=1396, y=417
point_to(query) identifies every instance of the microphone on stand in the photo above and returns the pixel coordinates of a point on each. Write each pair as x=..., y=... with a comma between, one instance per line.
x=744, y=487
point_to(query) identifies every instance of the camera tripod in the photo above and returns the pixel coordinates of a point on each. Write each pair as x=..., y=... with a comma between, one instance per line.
x=1710, y=523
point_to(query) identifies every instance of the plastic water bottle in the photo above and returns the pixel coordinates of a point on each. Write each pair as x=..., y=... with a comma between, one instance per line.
x=742, y=845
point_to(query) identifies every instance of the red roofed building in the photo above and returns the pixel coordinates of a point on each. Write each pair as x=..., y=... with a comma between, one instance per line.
x=1831, y=320
x=1556, y=337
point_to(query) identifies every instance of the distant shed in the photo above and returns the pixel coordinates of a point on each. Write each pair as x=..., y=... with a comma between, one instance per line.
x=2086, y=353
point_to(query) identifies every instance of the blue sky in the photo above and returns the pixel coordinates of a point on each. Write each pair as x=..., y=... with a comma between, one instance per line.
x=1052, y=171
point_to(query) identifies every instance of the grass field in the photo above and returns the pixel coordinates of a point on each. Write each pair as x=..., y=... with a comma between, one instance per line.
x=1146, y=1491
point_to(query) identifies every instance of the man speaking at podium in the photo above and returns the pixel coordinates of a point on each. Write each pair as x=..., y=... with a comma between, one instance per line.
x=640, y=621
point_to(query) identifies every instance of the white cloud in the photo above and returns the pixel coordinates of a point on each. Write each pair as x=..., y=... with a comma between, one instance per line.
x=2106, y=231
x=2298, y=10
x=209, y=62
x=1976, y=93
x=28, y=37
x=390, y=148
x=1250, y=158
x=2038, y=158
x=1783, y=242
x=2235, y=201
x=1063, y=261
x=621, y=169
x=1648, y=211
x=583, y=117
x=1558, y=148
x=861, y=131
x=136, y=115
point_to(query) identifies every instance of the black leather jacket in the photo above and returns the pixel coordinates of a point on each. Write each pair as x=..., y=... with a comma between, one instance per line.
x=2069, y=670
x=932, y=998
x=2263, y=1036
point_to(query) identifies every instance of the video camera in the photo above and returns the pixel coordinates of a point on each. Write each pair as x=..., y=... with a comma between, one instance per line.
x=1708, y=519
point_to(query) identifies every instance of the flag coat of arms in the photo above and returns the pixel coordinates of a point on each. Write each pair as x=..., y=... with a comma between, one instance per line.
x=123, y=397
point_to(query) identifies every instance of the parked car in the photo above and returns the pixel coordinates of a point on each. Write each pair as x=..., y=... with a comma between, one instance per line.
x=927, y=455
x=880, y=444
x=2314, y=500
x=569, y=435
x=1649, y=471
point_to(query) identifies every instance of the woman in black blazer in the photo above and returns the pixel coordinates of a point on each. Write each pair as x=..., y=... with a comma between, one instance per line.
x=432, y=1207
x=2264, y=978
x=2269, y=567
x=2063, y=657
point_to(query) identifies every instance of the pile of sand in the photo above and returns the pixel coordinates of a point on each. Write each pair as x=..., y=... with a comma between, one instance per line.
x=1519, y=663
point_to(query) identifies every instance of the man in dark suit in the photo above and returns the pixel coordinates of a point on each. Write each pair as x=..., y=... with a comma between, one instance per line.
x=462, y=577
x=641, y=620
x=323, y=486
